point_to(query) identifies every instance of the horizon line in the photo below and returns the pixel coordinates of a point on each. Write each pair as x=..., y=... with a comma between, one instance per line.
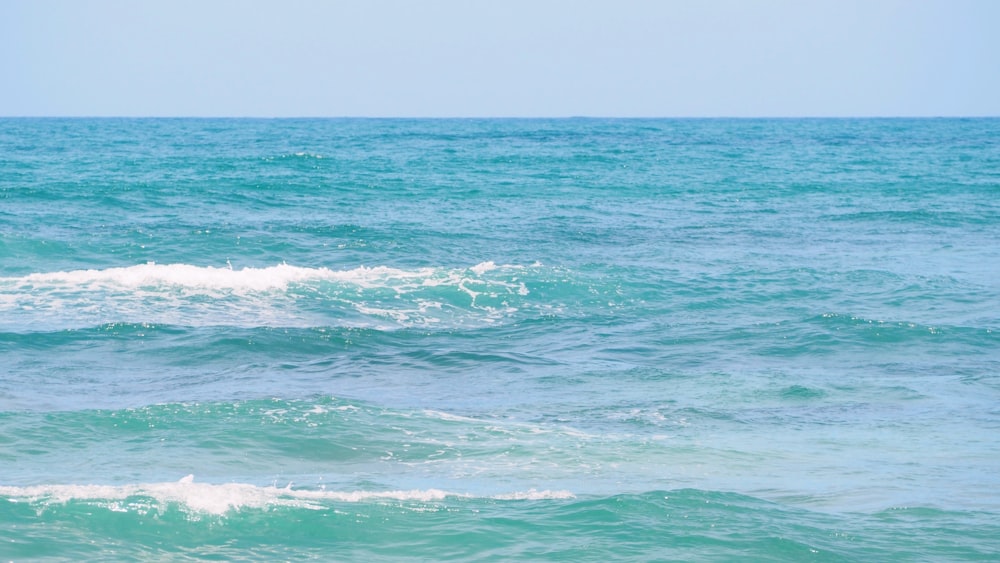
x=501, y=117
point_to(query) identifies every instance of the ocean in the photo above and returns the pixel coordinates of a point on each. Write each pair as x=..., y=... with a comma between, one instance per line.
x=499, y=339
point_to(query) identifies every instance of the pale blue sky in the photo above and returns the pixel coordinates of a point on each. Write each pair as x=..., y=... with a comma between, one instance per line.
x=500, y=58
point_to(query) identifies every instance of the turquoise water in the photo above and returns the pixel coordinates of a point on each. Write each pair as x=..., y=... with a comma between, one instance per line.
x=577, y=339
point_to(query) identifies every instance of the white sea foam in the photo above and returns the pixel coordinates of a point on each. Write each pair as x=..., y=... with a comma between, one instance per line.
x=219, y=499
x=281, y=276
x=282, y=295
x=448, y=416
x=532, y=494
x=209, y=277
x=483, y=267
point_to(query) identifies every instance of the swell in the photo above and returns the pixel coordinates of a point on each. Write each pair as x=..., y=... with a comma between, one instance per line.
x=833, y=334
x=527, y=343
x=721, y=434
x=687, y=524
x=385, y=297
x=321, y=441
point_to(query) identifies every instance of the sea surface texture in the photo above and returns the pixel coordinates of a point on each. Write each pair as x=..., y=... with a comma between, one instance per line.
x=575, y=339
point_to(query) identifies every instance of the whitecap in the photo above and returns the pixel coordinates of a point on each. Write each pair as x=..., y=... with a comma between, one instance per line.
x=219, y=499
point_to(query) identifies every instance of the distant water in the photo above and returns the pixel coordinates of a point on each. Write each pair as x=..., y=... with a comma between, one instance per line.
x=500, y=339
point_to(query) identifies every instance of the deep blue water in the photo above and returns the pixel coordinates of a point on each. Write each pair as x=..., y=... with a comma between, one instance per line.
x=576, y=339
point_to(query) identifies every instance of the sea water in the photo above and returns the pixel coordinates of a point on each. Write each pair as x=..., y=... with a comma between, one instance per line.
x=570, y=339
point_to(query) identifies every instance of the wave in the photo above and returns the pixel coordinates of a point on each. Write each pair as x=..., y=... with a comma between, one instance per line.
x=323, y=435
x=209, y=278
x=190, y=520
x=916, y=217
x=282, y=295
x=483, y=295
x=831, y=334
x=218, y=499
x=855, y=329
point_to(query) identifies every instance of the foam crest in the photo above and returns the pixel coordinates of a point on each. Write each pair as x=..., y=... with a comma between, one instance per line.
x=532, y=494
x=282, y=295
x=280, y=277
x=209, y=277
x=218, y=499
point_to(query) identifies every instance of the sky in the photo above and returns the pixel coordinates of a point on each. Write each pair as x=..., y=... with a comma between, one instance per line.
x=509, y=58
